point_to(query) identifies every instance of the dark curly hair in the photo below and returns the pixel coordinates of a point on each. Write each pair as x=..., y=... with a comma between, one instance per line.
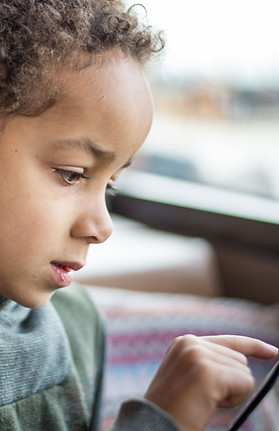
x=37, y=37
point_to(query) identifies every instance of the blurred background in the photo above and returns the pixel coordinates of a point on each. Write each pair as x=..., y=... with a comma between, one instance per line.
x=216, y=94
x=202, y=196
x=209, y=170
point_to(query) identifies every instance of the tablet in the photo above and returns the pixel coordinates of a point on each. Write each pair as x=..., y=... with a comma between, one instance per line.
x=256, y=398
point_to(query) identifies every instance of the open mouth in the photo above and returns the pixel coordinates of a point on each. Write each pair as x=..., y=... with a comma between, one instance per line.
x=62, y=272
x=64, y=267
x=67, y=266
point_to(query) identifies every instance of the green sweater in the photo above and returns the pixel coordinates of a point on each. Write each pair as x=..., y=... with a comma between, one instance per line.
x=51, y=369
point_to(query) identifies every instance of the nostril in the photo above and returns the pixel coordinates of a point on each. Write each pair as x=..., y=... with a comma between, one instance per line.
x=92, y=240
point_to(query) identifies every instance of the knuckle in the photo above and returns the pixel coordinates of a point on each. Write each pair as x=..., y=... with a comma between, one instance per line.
x=189, y=340
x=180, y=344
x=195, y=355
x=234, y=340
x=243, y=359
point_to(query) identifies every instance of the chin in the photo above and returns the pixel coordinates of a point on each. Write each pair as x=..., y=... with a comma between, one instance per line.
x=34, y=300
x=30, y=295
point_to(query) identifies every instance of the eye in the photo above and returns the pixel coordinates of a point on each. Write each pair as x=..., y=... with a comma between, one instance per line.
x=71, y=178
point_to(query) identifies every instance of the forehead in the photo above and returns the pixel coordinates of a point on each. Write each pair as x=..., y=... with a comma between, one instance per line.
x=107, y=103
x=109, y=76
x=112, y=93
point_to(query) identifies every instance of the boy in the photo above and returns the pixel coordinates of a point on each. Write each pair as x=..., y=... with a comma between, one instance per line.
x=75, y=107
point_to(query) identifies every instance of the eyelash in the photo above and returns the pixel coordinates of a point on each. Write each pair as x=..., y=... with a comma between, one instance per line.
x=111, y=190
x=66, y=175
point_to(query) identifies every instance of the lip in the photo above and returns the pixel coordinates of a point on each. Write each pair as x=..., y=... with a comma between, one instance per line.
x=63, y=272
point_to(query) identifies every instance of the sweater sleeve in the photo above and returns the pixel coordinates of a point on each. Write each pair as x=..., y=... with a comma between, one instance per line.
x=142, y=415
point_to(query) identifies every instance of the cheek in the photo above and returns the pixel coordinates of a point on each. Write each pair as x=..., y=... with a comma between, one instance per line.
x=28, y=228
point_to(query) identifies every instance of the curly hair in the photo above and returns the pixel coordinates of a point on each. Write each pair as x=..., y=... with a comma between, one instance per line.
x=37, y=36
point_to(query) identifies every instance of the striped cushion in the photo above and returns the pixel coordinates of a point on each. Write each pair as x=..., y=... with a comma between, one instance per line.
x=141, y=325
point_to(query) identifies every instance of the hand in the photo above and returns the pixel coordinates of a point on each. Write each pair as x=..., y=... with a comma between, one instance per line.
x=199, y=374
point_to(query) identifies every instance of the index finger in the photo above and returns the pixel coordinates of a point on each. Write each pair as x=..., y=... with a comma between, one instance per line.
x=245, y=345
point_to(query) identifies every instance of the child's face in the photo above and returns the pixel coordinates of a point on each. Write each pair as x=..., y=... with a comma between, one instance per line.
x=54, y=171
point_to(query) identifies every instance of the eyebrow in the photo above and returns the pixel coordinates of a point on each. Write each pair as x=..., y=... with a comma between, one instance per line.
x=86, y=144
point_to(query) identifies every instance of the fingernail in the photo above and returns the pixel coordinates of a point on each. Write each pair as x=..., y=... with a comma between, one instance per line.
x=273, y=348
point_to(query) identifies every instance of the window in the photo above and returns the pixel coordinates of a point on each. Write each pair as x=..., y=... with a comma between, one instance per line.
x=210, y=167
x=216, y=95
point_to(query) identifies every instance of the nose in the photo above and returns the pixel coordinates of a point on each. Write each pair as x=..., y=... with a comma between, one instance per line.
x=93, y=222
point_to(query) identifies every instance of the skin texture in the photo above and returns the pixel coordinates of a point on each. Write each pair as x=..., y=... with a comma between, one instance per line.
x=43, y=218
x=54, y=171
